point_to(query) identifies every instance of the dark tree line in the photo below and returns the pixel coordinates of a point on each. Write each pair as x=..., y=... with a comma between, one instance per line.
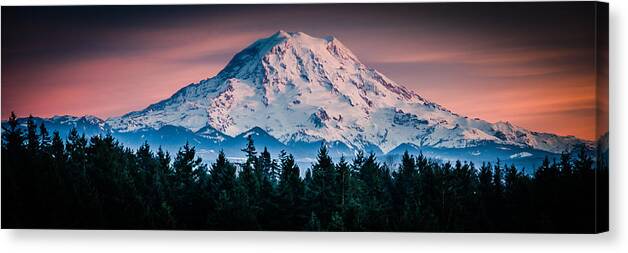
x=97, y=183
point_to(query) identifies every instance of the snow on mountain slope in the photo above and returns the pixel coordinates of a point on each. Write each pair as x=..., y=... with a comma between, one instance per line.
x=299, y=88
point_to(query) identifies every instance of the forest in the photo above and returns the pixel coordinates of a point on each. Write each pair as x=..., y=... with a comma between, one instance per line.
x=97, y=183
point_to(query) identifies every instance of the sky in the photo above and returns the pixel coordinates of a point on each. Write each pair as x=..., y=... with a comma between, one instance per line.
x=530, y=64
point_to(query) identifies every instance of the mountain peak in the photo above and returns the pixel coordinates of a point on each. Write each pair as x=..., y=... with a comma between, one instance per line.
x=284, y=49
x=281, y=33
x=296, y=39
x=299, y=88
x=285, y=34
x=301, y=36
x=300, y=39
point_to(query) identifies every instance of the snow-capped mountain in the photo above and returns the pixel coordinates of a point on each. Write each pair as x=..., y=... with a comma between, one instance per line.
x=302, y=89
x=88, y=125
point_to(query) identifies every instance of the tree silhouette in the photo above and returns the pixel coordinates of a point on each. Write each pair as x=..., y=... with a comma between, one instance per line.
x=97, y=183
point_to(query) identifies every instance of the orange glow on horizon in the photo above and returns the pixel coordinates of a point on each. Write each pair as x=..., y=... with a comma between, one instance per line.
x=537, y=79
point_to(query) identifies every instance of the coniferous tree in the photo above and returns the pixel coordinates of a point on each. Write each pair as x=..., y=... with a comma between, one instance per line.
x=187, y=186
x=223, y=185
x=47, y=180
x=386, y=220
x=101, y=184
x=545, y=194
x=62, y=194
x=566, y=168
x=31, y=136
x=517, y=201
x=44, y=138
x=498, y=184
x=249, y=188
x=249, y=150
x=31, y=172
x=59, y=160
x=108, y=171
x=222, y=175
x=426, y=194
x=322, y=199
x=343, y=184
x=12, y=138
x=567, y=199
x=464, y=188
x=405, y=193
x=585, y=190
x=152, y=177
x=498, y=194
x=373, y=193
x=485, y=191
x=143, y=177
x=352, y=210
x=163, y=178
x=290, y=194
x=13, y=200
x=86, y=204
x=266, y=172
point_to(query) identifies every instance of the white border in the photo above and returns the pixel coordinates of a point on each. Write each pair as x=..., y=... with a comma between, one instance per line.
x=302, y=242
